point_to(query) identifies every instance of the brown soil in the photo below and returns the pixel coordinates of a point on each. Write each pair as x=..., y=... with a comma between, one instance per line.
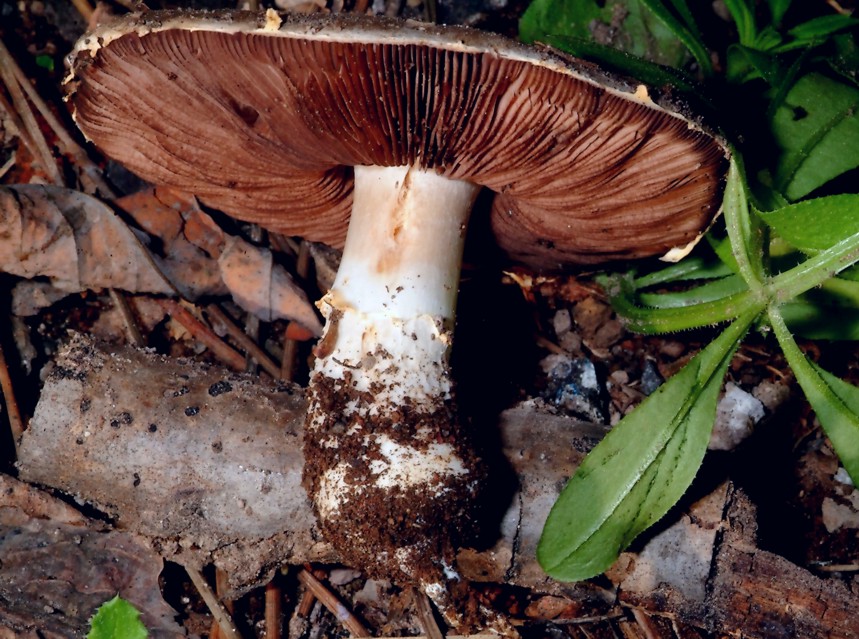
x=372, y=525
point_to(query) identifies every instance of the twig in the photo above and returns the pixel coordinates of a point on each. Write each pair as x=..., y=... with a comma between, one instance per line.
x=64, y=139
x=204, y=334
x=15, y=421
x=330, y=601
x=837, y=567
x=220, y=587
x=646, y=625
x=132, y=331
x=290, y=346
x=588, y=620
x=549, y=345
x=273, y=596
x=84, y=8
x=305, y=604
x=19, y=129
x=41, y=150
x=225, y=623
x=424, y=610
x=252, y=332
x=838, y=8
x=8, y=165
x=244, y=341
x=480, y=636
x=430, y=11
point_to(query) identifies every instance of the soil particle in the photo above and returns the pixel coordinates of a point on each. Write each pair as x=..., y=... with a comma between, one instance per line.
x=404, y=531
x=218, y=388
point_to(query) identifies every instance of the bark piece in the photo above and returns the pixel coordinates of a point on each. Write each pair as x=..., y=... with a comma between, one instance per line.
x=58, y=567
x=706, y=570
x=762, y=594
x=204, y=462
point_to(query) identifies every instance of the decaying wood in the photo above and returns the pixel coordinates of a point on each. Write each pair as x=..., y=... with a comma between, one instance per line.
x=206, y=464
x=707, y=571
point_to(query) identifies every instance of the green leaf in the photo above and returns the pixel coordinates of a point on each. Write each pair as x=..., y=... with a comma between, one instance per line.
x=744, y=230
x=744, y=17
x=641, y=468
x=623, y=63
x=814, y=271
x=829, y=311
x=117, y=619
x=768, y=39
x=681, y=8
x=777, y=9
x=687, y=269
x=817, y=129
x=746, y=64
x=724, y=251
x=719, y=289
x=45, y=61
x=835, y=401
x=685, y=33
x=626, y=25
x=815, y=225
x=846, y=58
x=820, y=321
x=671, y=319
x=822, y=27
x=559, y=17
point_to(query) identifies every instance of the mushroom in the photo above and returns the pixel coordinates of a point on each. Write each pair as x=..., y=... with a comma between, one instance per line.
x=309, y=125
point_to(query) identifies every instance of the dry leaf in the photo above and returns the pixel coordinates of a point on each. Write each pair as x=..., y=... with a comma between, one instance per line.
x=261, y=287
x=73, y=239
x=79, y=243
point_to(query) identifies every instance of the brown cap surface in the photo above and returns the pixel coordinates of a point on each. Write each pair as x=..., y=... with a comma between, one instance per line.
x=264, y=120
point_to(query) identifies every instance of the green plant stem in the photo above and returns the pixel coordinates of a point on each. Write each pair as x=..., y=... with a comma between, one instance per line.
x=669, y=320
x=782, y=288
x=814, y=271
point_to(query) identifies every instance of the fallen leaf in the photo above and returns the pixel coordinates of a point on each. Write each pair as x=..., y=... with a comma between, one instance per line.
x=74, y=240
x=77, y=242
x=261, y=287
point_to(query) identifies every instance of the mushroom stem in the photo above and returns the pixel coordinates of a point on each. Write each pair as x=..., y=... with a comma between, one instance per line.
x=389, y=469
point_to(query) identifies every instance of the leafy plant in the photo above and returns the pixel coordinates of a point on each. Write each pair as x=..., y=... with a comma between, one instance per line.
x=117, y=619
x=781, y=265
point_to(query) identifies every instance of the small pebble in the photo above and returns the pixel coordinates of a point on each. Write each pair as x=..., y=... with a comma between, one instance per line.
x=562, y=322
x=843, y=476
x=651, y=379
x=343, y=576
x=736, y=416
x=575, y=387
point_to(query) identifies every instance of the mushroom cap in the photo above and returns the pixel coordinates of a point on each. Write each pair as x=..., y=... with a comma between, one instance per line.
x=263, y=118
